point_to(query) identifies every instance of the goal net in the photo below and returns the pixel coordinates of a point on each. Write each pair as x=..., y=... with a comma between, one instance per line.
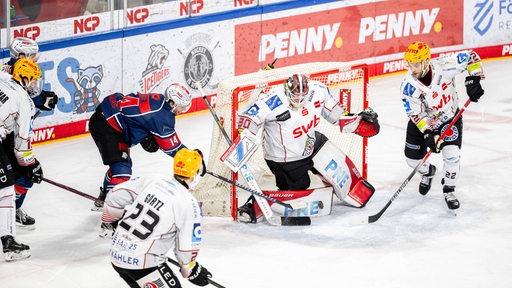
x=347, y=83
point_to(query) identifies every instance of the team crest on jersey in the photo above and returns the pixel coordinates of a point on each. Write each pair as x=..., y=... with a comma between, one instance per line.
x=273, y=102
x=409, y=89
x=452, y=135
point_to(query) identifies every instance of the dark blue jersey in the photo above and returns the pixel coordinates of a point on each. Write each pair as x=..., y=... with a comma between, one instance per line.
x=138, y=116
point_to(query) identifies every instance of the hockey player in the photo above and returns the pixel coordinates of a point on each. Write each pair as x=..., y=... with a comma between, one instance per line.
x=21, y=48
x=156, y=214
x=16, y=156
x=431, y=101
x=291, y=151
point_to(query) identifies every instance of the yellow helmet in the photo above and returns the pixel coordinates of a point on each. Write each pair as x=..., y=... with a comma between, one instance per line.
x=417, y=52
x=187, y=163
x=26, y=69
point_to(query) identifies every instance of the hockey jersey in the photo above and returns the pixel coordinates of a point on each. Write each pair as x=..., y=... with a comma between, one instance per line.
x=138, y=116
x=160, y=215
x=16, y=116
x=429, y=106
x=289, y=133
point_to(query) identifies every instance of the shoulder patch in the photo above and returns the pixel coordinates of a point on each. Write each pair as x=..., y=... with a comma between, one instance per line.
x=409, y=89
x=273, y=102
x=462, y=57
x=253, y=110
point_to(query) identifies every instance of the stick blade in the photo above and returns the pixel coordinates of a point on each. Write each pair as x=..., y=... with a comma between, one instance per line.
x=295, y=221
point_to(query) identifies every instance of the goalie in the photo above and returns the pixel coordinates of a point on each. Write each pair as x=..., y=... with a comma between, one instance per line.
x=289, y=116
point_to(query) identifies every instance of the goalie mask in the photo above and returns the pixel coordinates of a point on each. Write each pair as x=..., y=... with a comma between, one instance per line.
x=23, y=46
x=296, y=89
x=180, y=96
x=28, y=74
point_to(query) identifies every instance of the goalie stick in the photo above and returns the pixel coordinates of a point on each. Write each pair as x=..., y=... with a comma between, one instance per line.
x=374, y=218
x=249, y=179
x=85, y=195
x=299, y=205
x=210, y=281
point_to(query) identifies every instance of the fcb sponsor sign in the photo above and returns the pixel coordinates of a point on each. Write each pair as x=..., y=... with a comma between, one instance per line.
x=348, y=33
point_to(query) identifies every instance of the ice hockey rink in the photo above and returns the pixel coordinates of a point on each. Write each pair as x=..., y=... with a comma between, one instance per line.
x=416, y=243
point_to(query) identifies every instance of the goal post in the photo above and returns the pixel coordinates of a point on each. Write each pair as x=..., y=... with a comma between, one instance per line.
x=347, y=82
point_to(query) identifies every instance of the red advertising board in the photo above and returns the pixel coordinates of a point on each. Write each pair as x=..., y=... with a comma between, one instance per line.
x=348, y=33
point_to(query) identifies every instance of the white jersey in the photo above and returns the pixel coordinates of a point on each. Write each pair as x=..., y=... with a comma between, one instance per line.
x=431, y=106
x=160, y=214
x=16, y=115
x=289, y=133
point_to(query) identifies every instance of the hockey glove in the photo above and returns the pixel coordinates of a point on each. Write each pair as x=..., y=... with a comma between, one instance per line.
x=473, y=88
x=35, y=172
x=203, y=167
x=369, y=123
x=149, y=144
x=199, y=275
x=432, y=140
x=50, y=99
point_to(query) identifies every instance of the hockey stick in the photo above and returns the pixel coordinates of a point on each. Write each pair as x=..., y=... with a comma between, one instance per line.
x=85, y=195
x=374, y=218
x=249, y=178
x=210, y=281
x=299, y=205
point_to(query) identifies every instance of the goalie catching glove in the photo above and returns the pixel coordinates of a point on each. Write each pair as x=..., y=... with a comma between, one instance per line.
x=432, y=140
x=367, y=123
x=198, y=275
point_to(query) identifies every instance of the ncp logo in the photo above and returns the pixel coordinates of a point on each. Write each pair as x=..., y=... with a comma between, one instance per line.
x=86, y=24
x=137, y=15
x=31, y=32
x=483, y=17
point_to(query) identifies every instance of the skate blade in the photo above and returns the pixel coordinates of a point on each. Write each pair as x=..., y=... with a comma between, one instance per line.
x=26, y=227
x=96, y=208
x=14, y=256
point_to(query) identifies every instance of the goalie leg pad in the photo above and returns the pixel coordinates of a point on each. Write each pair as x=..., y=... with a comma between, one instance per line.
x=339, y=171
x=360, y=194
x=315, y=202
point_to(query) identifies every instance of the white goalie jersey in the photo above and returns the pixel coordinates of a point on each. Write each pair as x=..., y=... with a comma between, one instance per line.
x=160, y=215
x=289, y=133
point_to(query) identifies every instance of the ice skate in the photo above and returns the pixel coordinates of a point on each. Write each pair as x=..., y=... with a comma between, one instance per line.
x=449, y=197
x=98, y=205
x=246, y=212
x=14, y=250
x=426, y=180
x=107, y=230
x=24, y=220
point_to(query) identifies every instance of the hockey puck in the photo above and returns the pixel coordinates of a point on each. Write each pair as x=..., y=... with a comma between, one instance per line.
x=320, y=204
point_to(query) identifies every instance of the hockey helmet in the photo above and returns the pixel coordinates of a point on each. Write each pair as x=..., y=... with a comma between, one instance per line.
x=417, y=52
x=187, y=163
x=25, y=46
x=27, y=73
x=180, y=95
x=296, y=89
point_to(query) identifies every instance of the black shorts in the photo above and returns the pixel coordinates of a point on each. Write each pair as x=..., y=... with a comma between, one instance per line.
x=112, y=145
x=166, y=276
x=6, y=173
x=416, y=146
x=291, y=175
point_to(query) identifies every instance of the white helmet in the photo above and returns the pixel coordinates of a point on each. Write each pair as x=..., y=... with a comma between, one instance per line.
x=179, y=94
x=296, y=89
x=23, y=45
